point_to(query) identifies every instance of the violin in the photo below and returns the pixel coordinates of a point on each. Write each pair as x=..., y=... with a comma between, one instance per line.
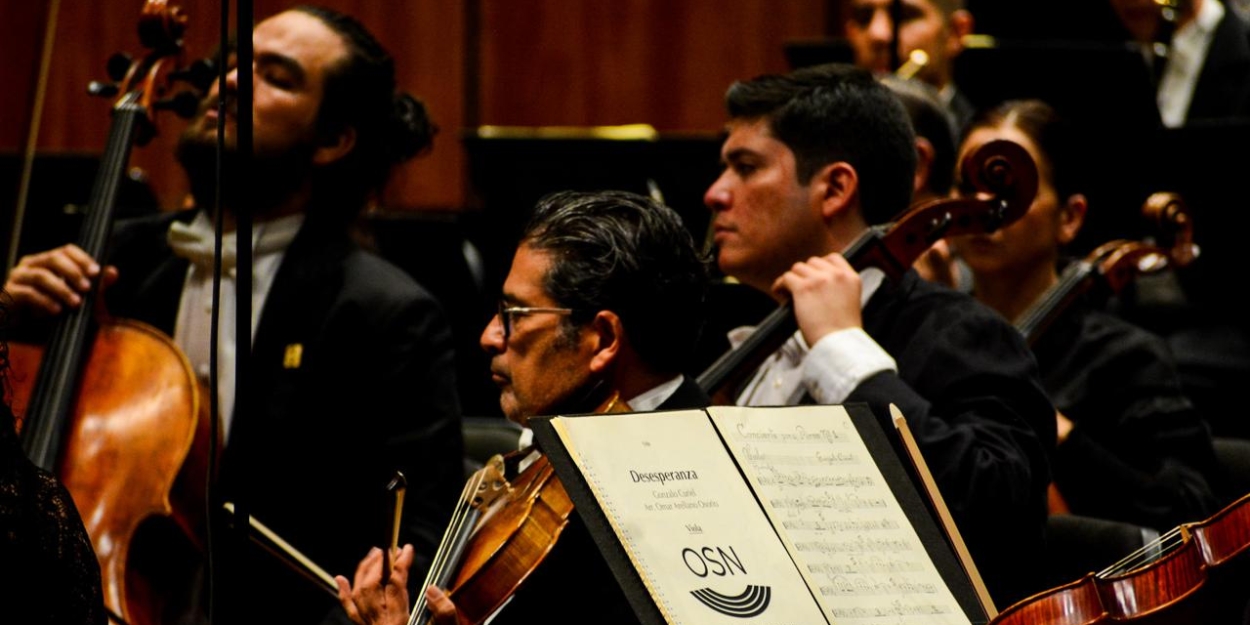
x=114, y=408
x=1195, y=573
x=1113, y=265
x=1003, y=179
x=500, y=532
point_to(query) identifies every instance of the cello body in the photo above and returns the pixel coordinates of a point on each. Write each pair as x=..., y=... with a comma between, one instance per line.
x=111, y=407
x=133, y=461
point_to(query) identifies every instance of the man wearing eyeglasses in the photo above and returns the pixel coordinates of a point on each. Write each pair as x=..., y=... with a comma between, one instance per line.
x=581, y=316
x=605, y=296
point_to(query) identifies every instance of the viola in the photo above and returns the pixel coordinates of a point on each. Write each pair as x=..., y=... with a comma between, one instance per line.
x=1196, y=573
x=500, y=532
x=1003, y=182
x=114, y=409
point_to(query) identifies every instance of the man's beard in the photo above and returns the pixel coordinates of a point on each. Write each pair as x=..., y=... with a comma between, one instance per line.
x=273, y=177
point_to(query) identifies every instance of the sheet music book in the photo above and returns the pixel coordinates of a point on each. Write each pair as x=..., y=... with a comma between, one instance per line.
x=740, y=515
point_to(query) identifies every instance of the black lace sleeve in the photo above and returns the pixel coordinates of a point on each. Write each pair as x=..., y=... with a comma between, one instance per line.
x=48, y=569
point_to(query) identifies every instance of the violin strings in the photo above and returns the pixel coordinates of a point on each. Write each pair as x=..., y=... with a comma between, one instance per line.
x=439, y=564
x=442, y=559
x=1146, y=554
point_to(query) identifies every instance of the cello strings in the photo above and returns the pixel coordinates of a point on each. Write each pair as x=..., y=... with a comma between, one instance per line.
x=1073, y=276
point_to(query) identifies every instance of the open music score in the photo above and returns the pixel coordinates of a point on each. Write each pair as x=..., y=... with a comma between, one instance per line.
x=760, y=515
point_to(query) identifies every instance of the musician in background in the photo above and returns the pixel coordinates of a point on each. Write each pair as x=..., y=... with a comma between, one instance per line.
x=48, y=569
x=605, y=294
x=934, y=27
x=812, y=159
x=1205, y=73
x=935, y=170
x=935, y=137
x=351, y=374
x=1131, y=446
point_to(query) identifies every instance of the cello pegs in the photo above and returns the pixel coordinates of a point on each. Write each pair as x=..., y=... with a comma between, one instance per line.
x=199, y=74
x=118, y=66
x=184, y=104
x=102, y=89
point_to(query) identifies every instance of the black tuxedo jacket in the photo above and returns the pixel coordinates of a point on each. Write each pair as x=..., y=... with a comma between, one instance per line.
x=1223, y=87
x=313, y=443
x=970, y=390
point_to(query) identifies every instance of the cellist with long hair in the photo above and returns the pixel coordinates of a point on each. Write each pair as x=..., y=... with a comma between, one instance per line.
x=351, y=364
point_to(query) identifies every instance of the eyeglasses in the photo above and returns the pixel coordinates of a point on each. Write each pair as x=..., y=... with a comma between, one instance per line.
x=507, y=312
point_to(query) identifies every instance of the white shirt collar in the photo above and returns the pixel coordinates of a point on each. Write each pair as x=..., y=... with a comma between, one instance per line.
x=652, y=398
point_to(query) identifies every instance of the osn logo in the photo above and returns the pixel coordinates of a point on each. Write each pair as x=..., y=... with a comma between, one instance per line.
x=718, y=562
x=750, y=602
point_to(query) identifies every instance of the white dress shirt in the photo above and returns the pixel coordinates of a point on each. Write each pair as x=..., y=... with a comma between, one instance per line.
x=195, y=241
x=828, y=371
x=1185, y=58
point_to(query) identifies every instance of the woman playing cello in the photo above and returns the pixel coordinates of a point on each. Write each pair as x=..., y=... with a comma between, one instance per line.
x=1131, y=447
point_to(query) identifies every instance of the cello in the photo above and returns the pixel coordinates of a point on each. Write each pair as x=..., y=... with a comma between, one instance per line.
x=111, y=406
x=1004, y=181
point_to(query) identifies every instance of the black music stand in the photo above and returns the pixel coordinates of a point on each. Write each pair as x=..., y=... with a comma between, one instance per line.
x=510, y=169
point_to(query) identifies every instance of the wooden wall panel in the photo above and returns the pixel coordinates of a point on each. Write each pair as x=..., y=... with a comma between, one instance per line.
x=535, y=62
x=426, y=37
x=663, y=62
x=21, y=32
